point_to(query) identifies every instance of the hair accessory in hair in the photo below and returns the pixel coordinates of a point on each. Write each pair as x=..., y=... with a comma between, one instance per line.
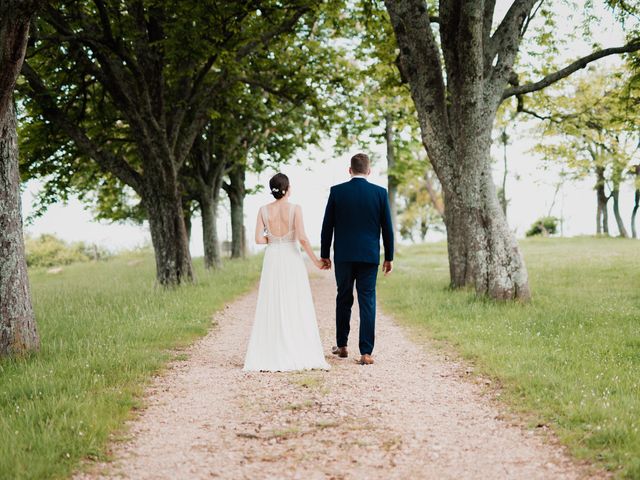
x=275, y=190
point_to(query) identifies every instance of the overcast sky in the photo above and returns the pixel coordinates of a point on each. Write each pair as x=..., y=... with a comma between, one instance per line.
x=530, y=187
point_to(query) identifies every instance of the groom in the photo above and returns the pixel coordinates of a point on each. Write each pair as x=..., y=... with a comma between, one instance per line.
x=357, y=212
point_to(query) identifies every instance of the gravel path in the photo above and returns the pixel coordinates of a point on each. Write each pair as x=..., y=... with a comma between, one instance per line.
x=411, y=415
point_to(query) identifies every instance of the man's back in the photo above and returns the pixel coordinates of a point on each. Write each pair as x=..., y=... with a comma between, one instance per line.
x=357, y=213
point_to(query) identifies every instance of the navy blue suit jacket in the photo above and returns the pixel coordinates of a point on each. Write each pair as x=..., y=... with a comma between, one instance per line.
x=357, y=213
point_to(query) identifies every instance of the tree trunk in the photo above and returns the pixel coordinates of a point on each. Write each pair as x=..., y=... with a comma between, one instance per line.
x=602, y=216
x=202, y=178
x=209, y=209
x=616, y=179
x=163, y=203
x=503, y=192
x=482, y=250
x=236, y=192
x=392, y=182
x=455, y=120
x=18, y=332
x=187, y=213
x=636, y=205
x=424, y=228
x=615, y=193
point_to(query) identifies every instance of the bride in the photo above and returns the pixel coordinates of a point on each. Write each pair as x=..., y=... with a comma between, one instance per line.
x=285, y=333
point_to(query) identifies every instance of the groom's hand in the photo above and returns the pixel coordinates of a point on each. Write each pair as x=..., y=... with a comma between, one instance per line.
x=387, y=267
x=326, y=263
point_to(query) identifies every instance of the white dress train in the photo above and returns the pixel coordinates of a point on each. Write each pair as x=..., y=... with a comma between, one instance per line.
x=285, y=333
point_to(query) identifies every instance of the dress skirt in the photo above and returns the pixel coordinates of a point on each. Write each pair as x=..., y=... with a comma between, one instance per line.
x=285, y=333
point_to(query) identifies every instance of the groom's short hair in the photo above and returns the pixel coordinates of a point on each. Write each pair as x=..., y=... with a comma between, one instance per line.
x=360, y=163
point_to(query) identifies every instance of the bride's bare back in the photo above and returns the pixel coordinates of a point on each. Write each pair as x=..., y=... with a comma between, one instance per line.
x=282, y=221
x=279, y=219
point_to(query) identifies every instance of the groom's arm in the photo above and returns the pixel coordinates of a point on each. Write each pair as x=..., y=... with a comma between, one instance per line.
x=328, y=224
x=387, y=228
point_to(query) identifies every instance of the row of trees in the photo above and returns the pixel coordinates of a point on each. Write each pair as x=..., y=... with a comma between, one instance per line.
x=168, y=103
x=150, y=109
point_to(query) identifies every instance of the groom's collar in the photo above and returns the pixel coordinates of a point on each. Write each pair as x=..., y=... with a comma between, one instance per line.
x=359, y=176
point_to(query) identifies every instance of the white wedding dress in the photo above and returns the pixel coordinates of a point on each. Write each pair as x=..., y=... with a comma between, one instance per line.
x=285, y=333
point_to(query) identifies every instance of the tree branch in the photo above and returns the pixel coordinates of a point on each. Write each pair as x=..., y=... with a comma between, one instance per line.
x=201, y=93
x=419, y=62
x=284, y=27
x=282, y=92
x=14, y=35
x=569, y=69
x=109, y=162
x=504, y=44
x=487, y=22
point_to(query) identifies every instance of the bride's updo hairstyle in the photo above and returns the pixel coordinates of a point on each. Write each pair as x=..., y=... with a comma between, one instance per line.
x=279, y=185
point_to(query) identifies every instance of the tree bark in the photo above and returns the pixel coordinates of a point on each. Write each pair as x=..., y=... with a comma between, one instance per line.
x=456, y=120
x=18, y=332
x=209, y=202
x=636, y=203
x=602, y=215
x=188, y=214
x=482, y=250
x=634, y=212
x=163, y=202
x=392, y=182
x=209, y=211
x=503, y=193
x=615, y=194
x=236, y=191
x=203, y=178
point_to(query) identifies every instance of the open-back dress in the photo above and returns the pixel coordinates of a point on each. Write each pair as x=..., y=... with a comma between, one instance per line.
x=285, y=333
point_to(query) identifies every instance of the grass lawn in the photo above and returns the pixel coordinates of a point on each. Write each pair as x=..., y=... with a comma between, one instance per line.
x=570, y=358
x=105, y=329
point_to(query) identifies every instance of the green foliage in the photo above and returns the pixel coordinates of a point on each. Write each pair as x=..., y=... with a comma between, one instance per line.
x=590, y=124
x=544, y=226
x=105, y=331
x=48, y=250
x=292, y=96
x=569, y=359
x=417, y=212
x=139, y=79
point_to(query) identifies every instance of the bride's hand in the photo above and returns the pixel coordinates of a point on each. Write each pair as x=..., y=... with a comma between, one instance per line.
x=318, y=263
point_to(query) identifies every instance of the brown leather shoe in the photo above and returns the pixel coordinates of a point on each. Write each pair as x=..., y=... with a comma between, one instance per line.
x=340, y=351
x=365, y=360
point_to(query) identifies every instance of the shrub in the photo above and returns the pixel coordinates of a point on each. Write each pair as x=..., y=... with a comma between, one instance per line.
x=48, y=250
x=544, y=226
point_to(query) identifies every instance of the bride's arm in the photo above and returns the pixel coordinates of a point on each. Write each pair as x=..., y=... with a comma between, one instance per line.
x=303, y=239
x=260, y=226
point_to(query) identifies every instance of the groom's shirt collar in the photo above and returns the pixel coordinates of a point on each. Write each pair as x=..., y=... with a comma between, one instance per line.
x=358, y=176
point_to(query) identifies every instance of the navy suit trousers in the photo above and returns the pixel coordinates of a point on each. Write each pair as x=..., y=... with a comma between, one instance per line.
x=364, y=276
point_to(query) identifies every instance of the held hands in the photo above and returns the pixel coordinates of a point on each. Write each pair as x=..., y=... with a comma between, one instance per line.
x=387, y=267
x=324, y=264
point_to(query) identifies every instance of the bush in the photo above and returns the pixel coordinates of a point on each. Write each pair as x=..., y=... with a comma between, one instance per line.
x=48, y=250
x=544, y=226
